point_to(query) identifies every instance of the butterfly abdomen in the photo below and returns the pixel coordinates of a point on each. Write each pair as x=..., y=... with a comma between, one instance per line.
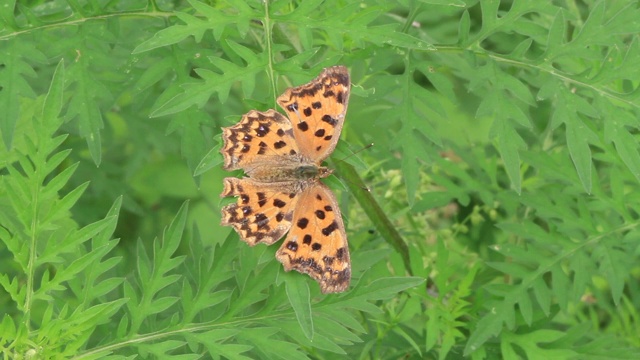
x=288, y=173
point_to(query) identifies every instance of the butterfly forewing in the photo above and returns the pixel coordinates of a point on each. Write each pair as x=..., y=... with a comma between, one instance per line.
x=317, y=111
x=259, y=138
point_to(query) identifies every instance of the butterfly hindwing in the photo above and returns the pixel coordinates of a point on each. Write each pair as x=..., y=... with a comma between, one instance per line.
x=317, y=242
x=262, y=213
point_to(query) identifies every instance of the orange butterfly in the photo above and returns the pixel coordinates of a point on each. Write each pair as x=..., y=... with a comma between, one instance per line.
x=283, y=158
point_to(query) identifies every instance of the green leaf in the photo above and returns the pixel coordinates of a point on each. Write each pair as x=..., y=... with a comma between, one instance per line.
x=509, y=146
x=489, y=325
x=199, y=93
x=384, y=288
x=14, y=85
x=577, y=135
x=210, y=160
x=614, y=267
x=212, y=340
x=54, y=98
x=269, y=346
x=299, y=297
x=85, y=107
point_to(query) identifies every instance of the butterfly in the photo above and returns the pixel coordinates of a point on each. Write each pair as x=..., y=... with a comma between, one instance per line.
x=282, y=157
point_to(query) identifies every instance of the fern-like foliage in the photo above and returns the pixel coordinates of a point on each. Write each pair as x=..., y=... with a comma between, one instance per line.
x=54, y=277
x=505, y=172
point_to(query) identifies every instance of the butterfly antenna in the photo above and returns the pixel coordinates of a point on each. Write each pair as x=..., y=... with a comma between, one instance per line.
x=361, y=186
x=355, y=152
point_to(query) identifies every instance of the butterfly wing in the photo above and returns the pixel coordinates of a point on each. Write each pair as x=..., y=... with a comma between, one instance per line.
x=263, y=212
x=317, y=111
x=259, y=139
x=317, y=242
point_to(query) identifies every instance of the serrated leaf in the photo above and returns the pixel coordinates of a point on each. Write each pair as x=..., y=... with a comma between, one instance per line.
x=212, y=159
x=85, y=107
x=555, y=39
x=300, y=300
x=489, y=325
x=384, y=288
x=212, y=341
x=542, y=294
x=581, y=266
x=464, y=27
x=560, y=285
x=614, y=265
x=577, y=136
x=509, y=145
x=270, y=346
x=199, y=93
x=13, y=84
x=54, y=100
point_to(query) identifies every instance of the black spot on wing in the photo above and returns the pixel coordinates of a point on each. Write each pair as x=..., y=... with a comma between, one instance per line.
x=302, y=223
x=263, y=148
x=262, y=130
x=292, y=245
x=329, y=120
x=262, y=199
x=306, y=239
x=262, y=221
x=329, y=229
x=328, y=260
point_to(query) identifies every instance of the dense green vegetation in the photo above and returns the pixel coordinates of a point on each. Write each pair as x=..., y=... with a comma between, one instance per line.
x=501, y=222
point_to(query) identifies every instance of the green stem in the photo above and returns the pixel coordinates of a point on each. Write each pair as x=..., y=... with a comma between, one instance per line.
x=267, y=34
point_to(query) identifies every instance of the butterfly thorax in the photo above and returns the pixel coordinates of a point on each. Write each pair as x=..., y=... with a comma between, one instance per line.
x=289, y=173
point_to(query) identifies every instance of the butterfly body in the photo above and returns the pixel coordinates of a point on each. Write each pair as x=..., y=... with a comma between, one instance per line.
x=283, y=193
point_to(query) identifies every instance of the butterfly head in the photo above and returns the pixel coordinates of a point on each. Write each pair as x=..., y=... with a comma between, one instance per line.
x=323, y=172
